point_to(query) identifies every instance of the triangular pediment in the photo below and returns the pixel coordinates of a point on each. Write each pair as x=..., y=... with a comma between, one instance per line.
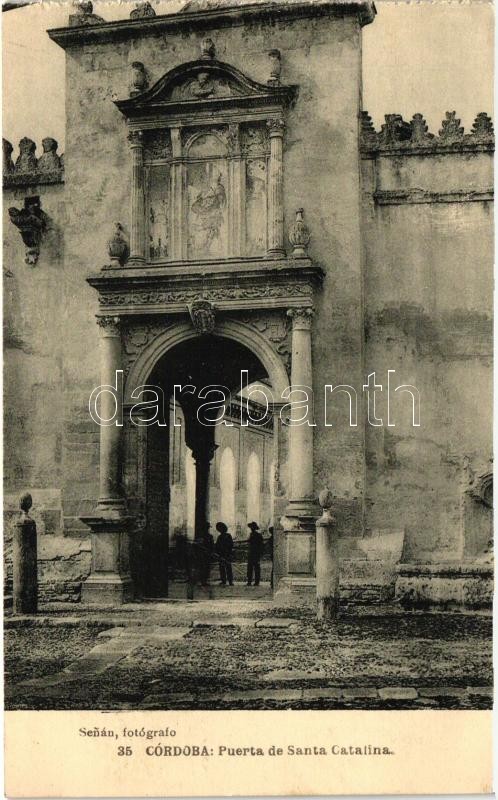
x=205, y=82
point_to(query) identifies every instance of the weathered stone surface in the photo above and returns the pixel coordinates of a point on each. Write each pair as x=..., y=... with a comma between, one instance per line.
x=275, y=622
x=397, y=693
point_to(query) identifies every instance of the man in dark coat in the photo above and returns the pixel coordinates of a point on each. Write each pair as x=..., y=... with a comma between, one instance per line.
x=224, y=551
x=256, y=545
x=204, y=549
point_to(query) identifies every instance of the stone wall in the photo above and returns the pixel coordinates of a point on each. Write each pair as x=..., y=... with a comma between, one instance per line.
x=428, y=244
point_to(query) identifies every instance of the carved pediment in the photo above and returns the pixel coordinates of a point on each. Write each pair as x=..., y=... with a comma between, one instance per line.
x=210, y=83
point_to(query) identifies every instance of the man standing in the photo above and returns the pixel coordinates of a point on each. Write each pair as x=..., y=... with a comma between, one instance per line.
x=224, y=551
x=204, y=546
x=255, y=552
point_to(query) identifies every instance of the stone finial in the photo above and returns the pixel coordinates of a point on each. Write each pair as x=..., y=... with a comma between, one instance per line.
x=482, y=129
x=118, y=247
x=8, y=164
x=84, y=14
x=450, y=129
x=368, y=134
x=49, y=161
x=26, y=160
x=208, y=49
x=203, y=316
x=31, y=222
x=299, y=235
x=142, y=10
x=394, y=130
x=275, y=67
x=420, y=130
x=139, y=81
x=326, y=499
x=25, y=502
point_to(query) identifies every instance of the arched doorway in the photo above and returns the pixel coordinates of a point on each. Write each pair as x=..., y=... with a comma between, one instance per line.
x=189, y=376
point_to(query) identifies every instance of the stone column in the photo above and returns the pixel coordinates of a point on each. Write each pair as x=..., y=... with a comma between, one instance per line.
x=276, y=189
x=301, y=436
x=24, y=561
x=137, y=237
x=327, y=561
x=109, y=581
x=178, y=216
x=203, y=456
x=301, y=511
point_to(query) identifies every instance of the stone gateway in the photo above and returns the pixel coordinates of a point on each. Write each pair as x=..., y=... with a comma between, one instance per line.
x=225, y=205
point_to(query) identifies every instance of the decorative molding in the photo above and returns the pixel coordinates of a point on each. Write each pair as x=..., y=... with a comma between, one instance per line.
x=299, y=235
x=28, y=170
x=137, y=335
x=32, y=223
x=214, y=84
x=399, y=197
x=157, y=144
x=276, y=328
x=121, y=30
x=203, y=316
x=398, y=136
x=276, y=126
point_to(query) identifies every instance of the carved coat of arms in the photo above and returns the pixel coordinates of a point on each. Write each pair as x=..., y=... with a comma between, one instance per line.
x=202, y=314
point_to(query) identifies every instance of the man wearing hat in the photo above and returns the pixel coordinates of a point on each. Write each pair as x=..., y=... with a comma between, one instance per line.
x=254, y=556
x=224, y=551
x=204, y=547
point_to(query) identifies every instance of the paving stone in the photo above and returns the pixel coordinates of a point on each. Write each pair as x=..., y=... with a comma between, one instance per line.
x=249, y=694
x=110, y=633
x=160, y=700
x=275, y=622
x=293, y=675
x=485, y=691
x=442, y=691
x=365, y=692
x=167, y=634
x=397, y=693
x=323, y=692
x=215, y=622
x=283, y=694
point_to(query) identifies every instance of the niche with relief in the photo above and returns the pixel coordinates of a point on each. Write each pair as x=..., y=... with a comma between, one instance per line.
x=208, y=170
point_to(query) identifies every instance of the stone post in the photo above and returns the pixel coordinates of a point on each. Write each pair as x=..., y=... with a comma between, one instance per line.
x=25, y=561
x=276, y=189
x=109, y=582
x=327, y=561
x=137, y=237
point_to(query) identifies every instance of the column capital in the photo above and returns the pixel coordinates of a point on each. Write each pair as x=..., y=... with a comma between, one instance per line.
x=136, y=139
x=276, y=126
x=302, y=318
x=109, y=326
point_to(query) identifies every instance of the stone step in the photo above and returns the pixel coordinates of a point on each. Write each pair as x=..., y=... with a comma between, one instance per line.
x=177, y=590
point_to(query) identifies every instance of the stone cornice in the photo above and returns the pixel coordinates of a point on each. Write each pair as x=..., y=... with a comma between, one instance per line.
x=241, y=285
x=389, y=197
x=218, y=18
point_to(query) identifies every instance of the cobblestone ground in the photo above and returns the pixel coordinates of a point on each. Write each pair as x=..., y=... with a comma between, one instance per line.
x=247, y=655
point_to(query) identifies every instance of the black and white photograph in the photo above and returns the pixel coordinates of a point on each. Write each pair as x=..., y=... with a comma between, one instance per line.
x=248, y=357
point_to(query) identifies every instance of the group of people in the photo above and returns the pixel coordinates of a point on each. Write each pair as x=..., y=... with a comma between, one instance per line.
x=206, y=548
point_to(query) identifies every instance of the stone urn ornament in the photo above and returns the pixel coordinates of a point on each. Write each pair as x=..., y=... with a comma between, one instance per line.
x=299, y=235
x=139, y=81
x=118, y=247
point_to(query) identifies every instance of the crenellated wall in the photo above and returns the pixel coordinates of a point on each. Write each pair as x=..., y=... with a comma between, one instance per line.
x=428, y=248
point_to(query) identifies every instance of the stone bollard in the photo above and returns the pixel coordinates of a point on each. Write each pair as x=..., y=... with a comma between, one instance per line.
x=327, y=560
x=25, y=561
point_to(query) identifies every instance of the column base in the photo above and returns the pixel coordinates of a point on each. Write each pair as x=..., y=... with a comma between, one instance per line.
x=107, y=590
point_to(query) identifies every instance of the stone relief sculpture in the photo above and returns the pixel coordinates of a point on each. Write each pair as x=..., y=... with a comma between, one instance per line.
x=203, y=316
x=32, y=223
x=207, y=202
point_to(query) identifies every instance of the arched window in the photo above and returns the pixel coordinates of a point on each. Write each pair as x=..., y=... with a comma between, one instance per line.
x=253, y=488
x=190, y=492
x=227, y=486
